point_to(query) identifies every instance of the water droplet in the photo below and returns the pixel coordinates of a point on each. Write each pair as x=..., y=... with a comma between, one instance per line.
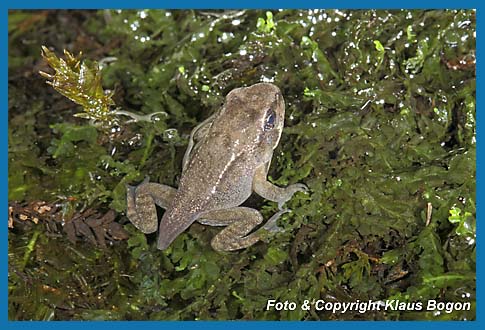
x=143, y=14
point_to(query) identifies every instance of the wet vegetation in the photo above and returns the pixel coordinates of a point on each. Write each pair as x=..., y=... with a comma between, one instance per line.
x=380, y=124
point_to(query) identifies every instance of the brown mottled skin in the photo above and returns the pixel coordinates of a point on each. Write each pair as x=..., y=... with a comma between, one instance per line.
x=230, y=159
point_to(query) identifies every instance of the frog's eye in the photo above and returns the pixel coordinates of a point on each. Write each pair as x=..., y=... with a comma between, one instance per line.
x=270, y=120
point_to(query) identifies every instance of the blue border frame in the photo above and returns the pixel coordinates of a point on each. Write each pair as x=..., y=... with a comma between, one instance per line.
x=185, y=4
x=193, y=4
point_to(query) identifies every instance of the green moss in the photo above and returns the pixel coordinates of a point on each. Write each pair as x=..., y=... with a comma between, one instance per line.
x=81, y=83
x=380, y=124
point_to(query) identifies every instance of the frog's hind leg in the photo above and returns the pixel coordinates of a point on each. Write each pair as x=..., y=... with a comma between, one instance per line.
x=240, y=221
x=141, y=201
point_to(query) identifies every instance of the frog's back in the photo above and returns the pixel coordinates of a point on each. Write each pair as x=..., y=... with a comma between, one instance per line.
x=219, y=179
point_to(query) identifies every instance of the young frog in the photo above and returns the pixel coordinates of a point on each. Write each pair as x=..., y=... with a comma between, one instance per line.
x=229, y=160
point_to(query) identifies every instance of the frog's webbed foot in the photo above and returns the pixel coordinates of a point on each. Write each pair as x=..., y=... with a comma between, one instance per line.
x=240, y=221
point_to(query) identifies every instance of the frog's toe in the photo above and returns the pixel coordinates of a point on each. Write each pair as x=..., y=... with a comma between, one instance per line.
x=271, y=225
x=273, y=228
x=300, y=187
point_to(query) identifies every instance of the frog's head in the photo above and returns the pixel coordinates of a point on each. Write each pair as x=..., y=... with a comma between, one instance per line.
x=255, y=115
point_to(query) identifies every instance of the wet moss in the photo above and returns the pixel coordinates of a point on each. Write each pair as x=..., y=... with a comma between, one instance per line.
x=380, y=124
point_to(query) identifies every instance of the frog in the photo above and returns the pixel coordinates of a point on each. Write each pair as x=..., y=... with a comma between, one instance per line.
x=227, y=159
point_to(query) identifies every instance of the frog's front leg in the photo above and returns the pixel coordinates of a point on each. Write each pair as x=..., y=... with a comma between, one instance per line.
x=240, y=221
x=269, y=191
x=141, y=201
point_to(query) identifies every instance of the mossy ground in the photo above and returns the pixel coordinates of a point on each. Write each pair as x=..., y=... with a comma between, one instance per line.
x=380, y=124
